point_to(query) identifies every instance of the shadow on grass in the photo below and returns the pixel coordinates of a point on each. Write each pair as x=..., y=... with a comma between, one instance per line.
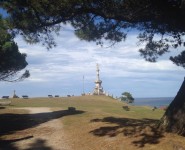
x=2, y=107
x=9, y=144
x=39, y=144
x=10, y=123
x=143, y=131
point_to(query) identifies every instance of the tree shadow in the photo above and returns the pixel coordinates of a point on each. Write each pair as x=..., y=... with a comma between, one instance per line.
x=10, y=123
x=143, y=131
x=39, y=144
x=9, y=144
x=2, y=107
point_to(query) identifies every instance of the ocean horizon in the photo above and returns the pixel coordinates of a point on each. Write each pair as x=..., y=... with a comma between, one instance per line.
x=154, y=101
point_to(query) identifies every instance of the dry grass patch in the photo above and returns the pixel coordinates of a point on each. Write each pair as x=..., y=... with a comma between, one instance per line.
x=100, y=123
x=114, y=133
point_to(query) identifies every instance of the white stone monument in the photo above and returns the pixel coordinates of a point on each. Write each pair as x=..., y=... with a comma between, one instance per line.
x=98, y=90
x=14, y=95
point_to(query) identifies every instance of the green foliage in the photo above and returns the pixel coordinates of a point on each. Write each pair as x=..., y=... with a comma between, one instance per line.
x=11, y=60
x=126, y=96
x=179, y=60
x=160, y=22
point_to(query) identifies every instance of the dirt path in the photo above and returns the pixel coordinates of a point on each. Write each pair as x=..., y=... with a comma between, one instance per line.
x=48, y=135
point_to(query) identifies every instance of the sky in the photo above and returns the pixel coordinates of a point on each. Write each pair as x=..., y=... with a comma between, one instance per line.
x=60, y=70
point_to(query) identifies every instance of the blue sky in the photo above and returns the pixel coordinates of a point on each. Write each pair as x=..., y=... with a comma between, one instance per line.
x=60, y=70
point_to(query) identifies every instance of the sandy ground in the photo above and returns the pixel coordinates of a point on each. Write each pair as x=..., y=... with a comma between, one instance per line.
x=48, y=135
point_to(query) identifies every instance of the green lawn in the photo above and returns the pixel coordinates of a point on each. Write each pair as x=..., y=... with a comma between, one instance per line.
x=103, y=123
x=101, y=104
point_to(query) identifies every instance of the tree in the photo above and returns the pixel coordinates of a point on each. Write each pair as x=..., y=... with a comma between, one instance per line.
x=160, y=24
x=126, y=96
x=11, y=60
x=171, y=121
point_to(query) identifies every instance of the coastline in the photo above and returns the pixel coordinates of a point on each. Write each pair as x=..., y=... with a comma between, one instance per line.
x=153, y=102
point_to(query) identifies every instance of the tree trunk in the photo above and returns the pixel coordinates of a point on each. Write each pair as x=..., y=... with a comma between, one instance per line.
x=174, y=117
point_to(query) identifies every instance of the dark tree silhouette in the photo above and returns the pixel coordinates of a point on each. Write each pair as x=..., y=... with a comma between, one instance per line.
x=160, y=23
x=174, y=117
x=126, y=96
x=11, y=60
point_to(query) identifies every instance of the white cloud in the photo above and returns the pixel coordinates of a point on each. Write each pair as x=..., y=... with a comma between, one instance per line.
x=121, y=67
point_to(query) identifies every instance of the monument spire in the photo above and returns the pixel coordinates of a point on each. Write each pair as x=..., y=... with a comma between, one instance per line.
x=14, y=95
x=98, y=90
x=97, y=72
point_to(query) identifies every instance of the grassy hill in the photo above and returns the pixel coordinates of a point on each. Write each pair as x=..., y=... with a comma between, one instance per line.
x=93, y=104
x=103, y=124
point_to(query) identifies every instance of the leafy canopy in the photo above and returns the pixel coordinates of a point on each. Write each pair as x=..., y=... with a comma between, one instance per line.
x=11, y=60
x=160, y=22
x=126, y=96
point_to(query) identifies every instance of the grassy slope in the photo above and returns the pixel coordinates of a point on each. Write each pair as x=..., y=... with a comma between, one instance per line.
x=105, y=125
x=100, y=104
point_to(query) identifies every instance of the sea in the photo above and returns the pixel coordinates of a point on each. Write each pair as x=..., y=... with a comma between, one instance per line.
x=154, y=101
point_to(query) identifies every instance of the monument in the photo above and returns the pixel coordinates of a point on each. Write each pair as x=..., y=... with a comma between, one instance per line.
x=98, y=90
x=14, y=95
